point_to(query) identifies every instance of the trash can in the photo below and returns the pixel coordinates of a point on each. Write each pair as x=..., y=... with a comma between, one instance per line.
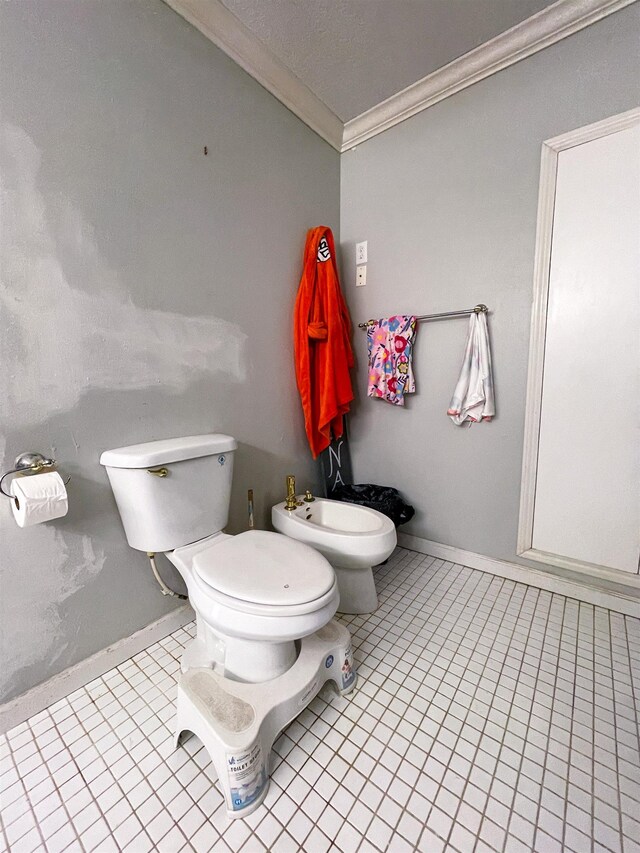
x=385, y=499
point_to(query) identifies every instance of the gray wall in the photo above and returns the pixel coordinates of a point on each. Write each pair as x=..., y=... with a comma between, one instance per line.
x=146, y=293
x=448, y=201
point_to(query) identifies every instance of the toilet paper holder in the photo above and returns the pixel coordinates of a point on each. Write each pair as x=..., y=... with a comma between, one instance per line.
x=28, y=462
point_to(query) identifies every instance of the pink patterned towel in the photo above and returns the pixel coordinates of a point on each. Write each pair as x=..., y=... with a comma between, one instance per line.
x=390, y=344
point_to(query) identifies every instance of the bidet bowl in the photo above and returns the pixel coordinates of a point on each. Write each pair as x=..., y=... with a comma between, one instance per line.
x=348, y=535
x=353, y=538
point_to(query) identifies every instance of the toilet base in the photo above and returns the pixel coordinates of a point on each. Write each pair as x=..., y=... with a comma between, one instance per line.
x=357, y=590
x=238, y=723
x=235, y=658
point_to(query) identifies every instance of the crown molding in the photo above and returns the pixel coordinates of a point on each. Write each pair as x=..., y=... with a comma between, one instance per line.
x=547, y=27
x=222, y=27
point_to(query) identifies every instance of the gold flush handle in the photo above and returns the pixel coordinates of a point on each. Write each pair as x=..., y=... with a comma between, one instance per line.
x=159, y=472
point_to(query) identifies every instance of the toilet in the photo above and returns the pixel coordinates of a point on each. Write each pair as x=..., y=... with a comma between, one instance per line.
x=353, y=539
x=266, y=641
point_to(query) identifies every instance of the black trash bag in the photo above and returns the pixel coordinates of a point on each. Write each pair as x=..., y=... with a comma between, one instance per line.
x=385, y=499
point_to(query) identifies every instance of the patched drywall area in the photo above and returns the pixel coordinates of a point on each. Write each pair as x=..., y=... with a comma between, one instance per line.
x=137, y=346
x=146, y=292
x=448, y=202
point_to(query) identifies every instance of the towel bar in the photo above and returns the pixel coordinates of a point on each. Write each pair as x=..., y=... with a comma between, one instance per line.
x=479, y=309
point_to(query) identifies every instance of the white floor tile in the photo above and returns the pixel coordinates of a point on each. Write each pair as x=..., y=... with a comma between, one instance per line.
x=487, y=713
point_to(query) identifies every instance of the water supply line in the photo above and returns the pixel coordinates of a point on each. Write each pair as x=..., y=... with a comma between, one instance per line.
x=250, y=507
x=163, y=587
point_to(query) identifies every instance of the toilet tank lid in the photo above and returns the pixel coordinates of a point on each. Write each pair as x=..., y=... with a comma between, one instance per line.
x=168, y=450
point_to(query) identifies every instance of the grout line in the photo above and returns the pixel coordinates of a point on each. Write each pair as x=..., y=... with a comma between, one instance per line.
x=593, y=726
x=576, y=607
x=613, y=691
x=555, y=684
x=532, y=621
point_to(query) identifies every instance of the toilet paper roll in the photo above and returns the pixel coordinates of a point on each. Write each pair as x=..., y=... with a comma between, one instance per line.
x=38, y=498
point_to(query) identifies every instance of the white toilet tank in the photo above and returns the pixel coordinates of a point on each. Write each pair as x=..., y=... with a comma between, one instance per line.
x=172, y=492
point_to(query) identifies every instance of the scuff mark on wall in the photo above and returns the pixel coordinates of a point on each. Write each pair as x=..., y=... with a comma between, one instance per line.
x=71, y=341
x=71, y=562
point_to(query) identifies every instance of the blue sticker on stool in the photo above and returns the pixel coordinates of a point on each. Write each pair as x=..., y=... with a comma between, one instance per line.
x=328, y=661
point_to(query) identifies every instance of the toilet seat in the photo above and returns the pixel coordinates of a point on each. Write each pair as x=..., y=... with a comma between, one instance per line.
x=257, y=573
x=249, y=608
x=264, y=569
x=245, y=608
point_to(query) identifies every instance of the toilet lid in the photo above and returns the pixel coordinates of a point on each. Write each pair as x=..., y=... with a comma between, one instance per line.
x=265, y=568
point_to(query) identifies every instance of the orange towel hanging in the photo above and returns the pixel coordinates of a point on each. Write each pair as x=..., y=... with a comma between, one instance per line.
x=322, y=342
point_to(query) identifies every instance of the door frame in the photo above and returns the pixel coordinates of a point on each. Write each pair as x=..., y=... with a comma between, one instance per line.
x=551, y=148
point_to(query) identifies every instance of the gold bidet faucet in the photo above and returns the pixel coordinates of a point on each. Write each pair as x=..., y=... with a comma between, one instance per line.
x=291, y=502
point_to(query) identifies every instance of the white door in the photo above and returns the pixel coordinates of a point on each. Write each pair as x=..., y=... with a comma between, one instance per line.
x=587, y=503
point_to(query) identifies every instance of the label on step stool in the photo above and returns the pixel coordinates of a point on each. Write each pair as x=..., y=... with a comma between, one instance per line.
x=347, y=670
x=247, y=776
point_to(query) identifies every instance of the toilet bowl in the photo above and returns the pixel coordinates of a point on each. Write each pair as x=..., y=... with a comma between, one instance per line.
x=353, y=539
x=265, y=641
x=254, y=595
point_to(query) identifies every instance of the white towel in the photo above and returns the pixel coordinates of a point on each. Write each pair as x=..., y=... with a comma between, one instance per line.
x=473, y=398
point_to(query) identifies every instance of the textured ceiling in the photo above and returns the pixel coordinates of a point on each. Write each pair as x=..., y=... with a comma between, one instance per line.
x=355, y=53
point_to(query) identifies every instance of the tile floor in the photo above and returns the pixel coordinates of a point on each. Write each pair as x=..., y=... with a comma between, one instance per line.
x=489, y=716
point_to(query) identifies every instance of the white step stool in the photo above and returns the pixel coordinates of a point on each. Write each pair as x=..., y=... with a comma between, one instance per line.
x=238, y=722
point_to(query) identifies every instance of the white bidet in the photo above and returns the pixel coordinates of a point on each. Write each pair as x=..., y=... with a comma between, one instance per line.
x=353, y=538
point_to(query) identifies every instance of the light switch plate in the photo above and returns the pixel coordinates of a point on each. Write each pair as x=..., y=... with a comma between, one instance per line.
x=361, y=253
x=361, y=276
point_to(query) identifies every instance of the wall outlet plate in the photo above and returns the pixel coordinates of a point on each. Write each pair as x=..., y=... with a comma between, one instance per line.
x=361, y=253
x=361, y=276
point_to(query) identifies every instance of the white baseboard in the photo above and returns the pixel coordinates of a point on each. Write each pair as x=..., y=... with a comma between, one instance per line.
x=18, y=710
x=589, y=591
